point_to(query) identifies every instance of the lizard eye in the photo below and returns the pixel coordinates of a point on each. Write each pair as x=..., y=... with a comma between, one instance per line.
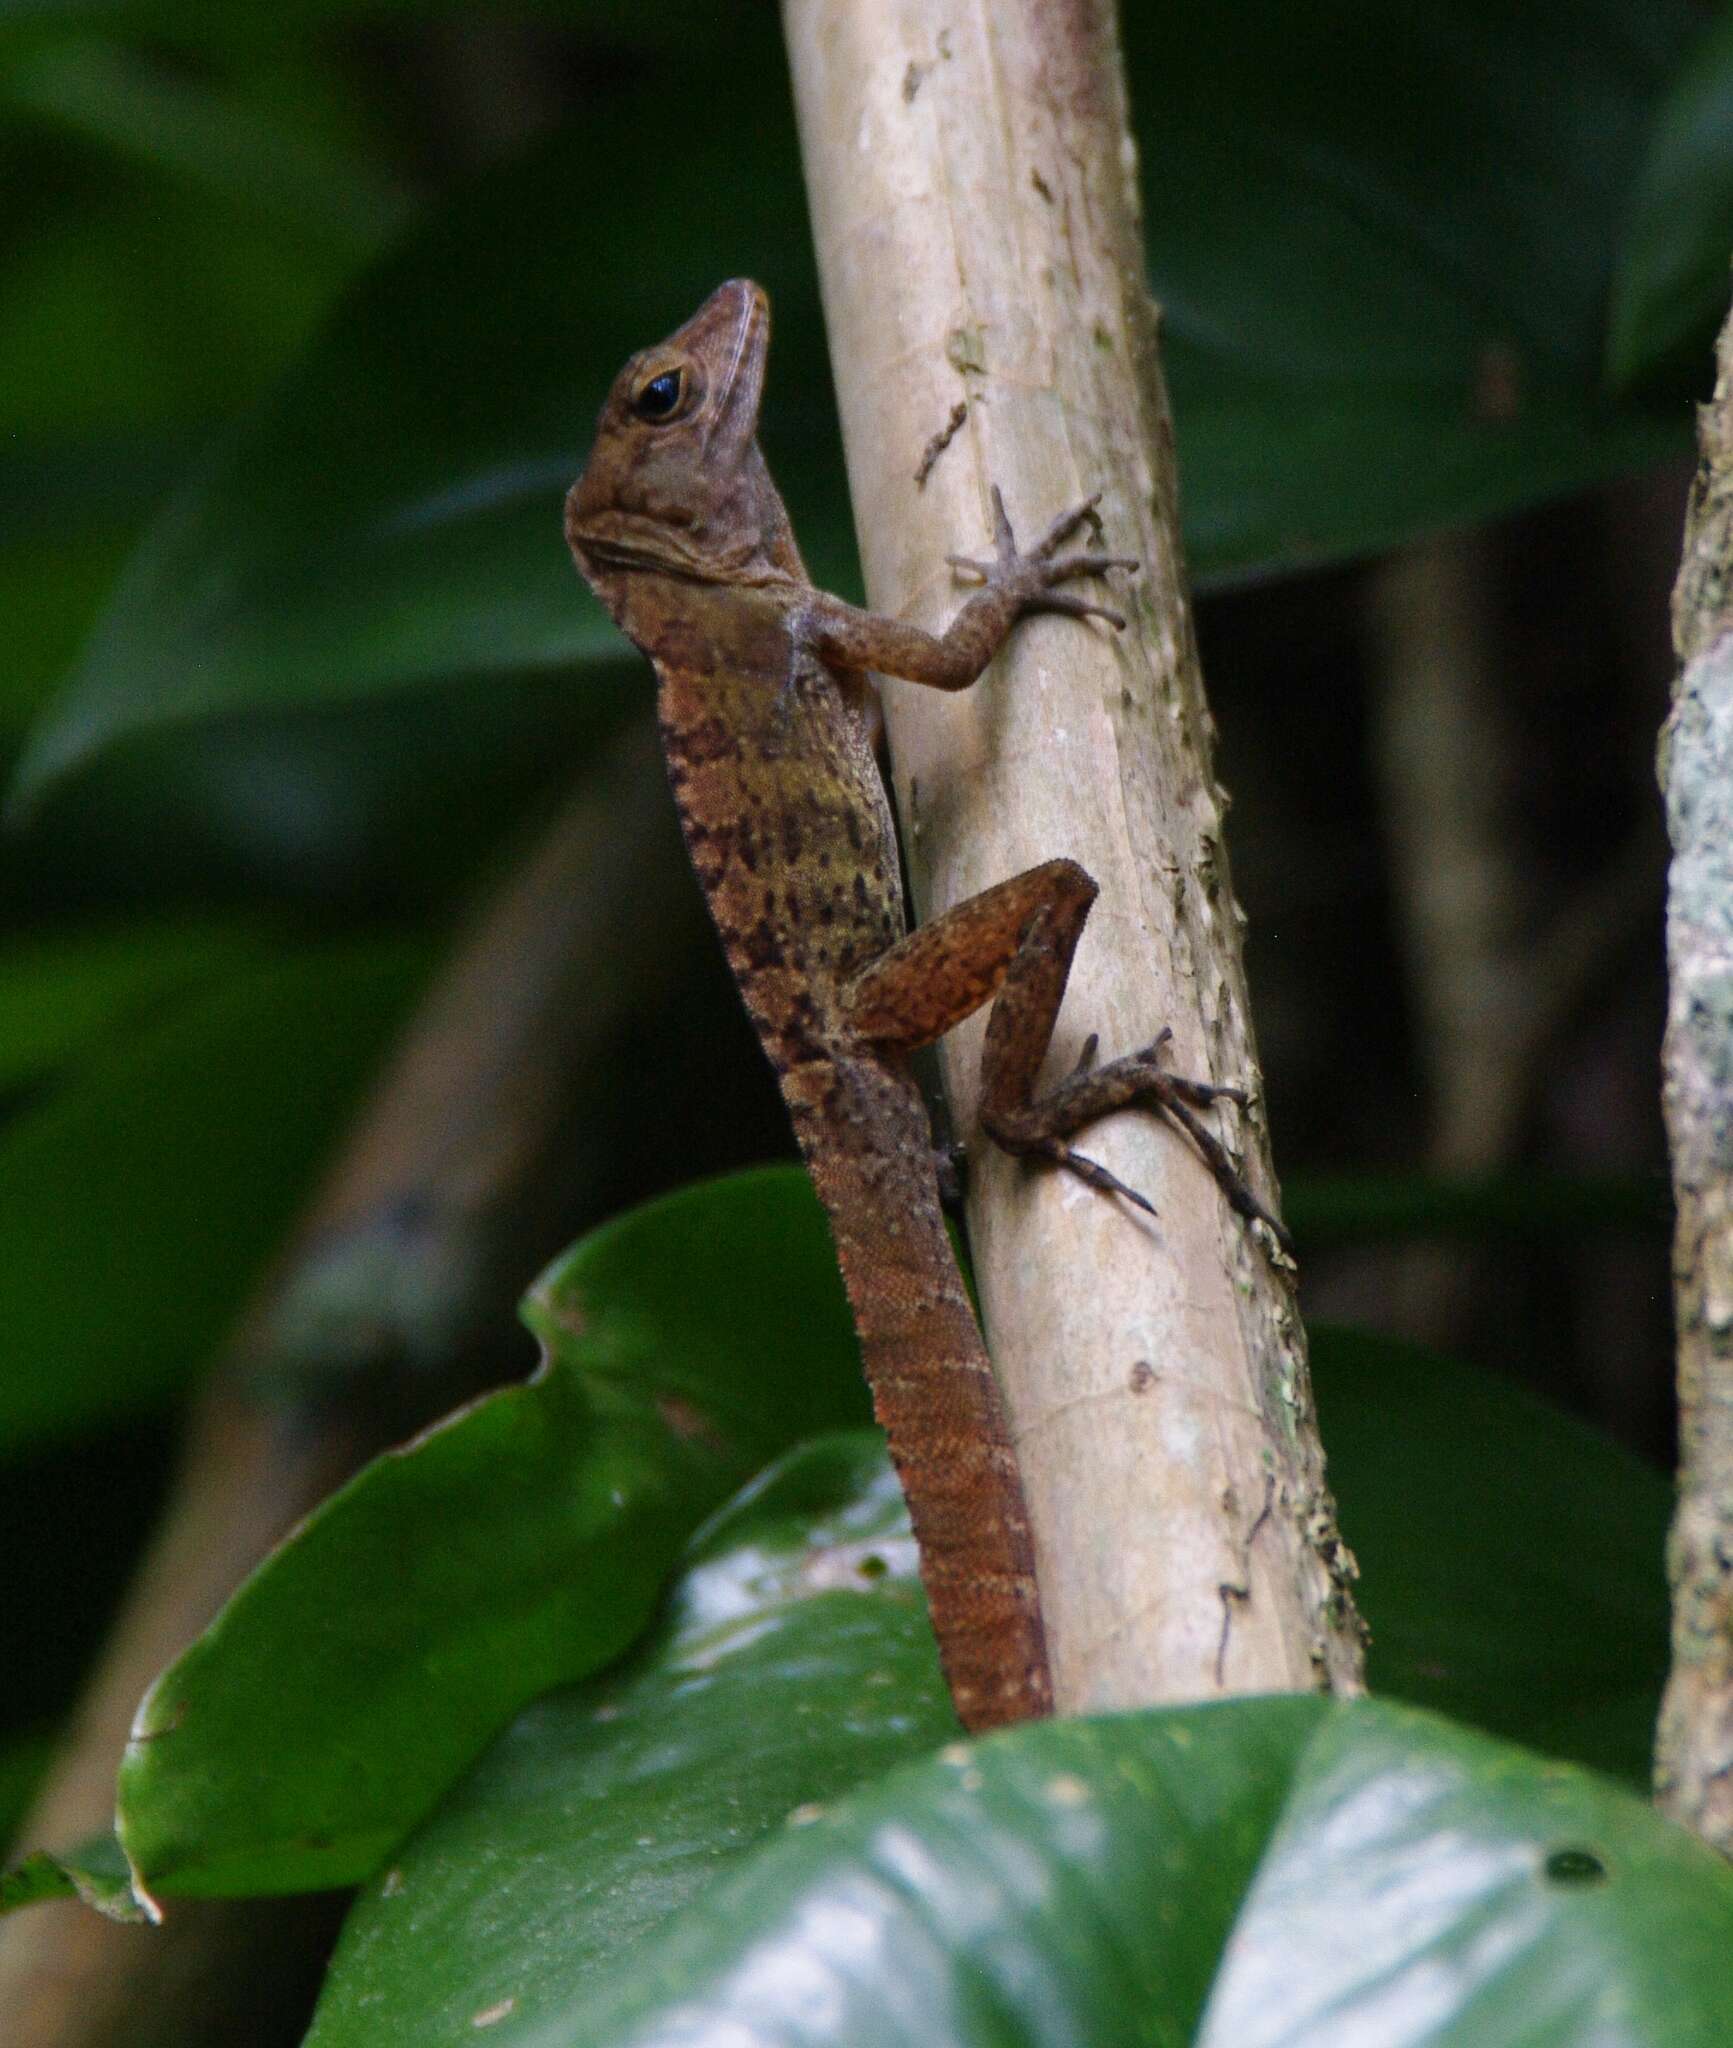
x=660, y=398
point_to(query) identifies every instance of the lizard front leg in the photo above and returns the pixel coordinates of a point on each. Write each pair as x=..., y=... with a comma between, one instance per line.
x=1014, y=943
x=1013, y=585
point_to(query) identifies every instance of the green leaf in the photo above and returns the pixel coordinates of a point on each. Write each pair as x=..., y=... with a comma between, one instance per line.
x=1374, y=327
x=1511, y=1556
x=1382, y=239
x=95, y=1872
x=1376, y=1208
x=1671, y=287
x=796, y=1662
x=1512, y=1572
x=209, y=138
x=1279, y=1873
x=518, y=1546
x=146, y=305
x=1512, y=1564
x=139, y=1199
x=60, y=994
x=393, y=516
x=23, y=1760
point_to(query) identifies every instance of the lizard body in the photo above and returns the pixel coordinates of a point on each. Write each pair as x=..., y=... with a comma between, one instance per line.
x=766, y=726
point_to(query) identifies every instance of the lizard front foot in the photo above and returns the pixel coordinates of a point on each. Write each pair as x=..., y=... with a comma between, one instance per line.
x=1031, y=578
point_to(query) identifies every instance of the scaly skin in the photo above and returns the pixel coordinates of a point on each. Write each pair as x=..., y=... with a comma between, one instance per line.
x=764, y=717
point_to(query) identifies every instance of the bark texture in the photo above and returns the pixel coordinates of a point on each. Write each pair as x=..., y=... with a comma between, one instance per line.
x=974, y=193
x=1694, y=1746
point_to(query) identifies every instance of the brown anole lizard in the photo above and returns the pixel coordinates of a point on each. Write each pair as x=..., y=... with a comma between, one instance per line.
x=765, y=716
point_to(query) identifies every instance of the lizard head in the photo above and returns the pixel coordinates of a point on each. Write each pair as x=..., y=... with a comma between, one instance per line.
x=675, y=481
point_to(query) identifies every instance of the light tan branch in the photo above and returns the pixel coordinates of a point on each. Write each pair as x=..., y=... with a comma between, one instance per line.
x=973, y=190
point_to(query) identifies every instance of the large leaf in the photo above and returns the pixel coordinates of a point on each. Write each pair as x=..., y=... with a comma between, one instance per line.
x=795, y=1663
x=394, y=514
x=1512, y=1558
x=518, y=1546
x=139, y=1199
x=607, y=1808
x=62, y=993
x=1676, y=263
x=1375, y=325
x=1382, y=239
x=1282, y=1873
x=197, y=133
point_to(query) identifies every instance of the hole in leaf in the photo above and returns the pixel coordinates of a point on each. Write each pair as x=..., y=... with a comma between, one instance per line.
x=1575, y=1867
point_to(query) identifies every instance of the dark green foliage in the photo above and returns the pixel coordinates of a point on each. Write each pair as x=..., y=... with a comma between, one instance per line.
x=295, y=370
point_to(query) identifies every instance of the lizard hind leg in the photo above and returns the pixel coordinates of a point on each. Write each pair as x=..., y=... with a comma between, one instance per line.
x=1014, y=943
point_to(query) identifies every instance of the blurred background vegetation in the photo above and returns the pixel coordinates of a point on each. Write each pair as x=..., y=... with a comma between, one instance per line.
x=304, y=315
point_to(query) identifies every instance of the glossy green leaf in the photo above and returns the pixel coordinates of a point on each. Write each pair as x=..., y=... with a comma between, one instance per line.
x=139, y=1199
x=1279, y=1873
x=1512, y=1559
x=1512, y=1563
x=1675, y=272
x=95, y=1872
x=518, y=1546
x=1540, y=1619
x=795, y=1663
x=1382, y=240
x=1375, y=325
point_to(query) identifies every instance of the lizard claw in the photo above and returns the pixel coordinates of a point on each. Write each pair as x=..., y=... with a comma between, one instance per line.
x=1077, y=608
x=1067, y=524
x=1093, y=1174
x=1004, y=540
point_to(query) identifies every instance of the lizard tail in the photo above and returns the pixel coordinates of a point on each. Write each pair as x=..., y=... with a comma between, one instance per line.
x=939, y=1405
